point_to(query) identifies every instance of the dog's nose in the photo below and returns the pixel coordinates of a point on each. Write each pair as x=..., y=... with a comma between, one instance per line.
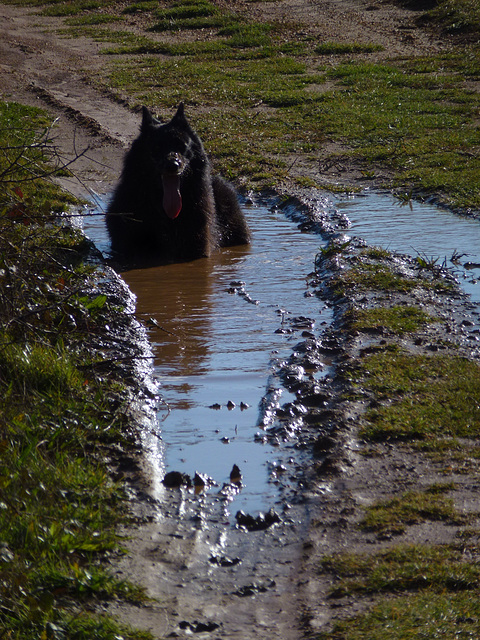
x=174, y=163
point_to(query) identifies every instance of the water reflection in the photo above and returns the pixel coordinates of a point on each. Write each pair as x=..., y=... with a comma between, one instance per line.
x=216, y=326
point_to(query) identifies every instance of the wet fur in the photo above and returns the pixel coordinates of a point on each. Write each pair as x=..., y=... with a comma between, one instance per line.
x=210, y=215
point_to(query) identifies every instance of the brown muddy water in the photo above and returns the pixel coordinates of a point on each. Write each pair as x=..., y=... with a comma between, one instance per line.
x=222, y=327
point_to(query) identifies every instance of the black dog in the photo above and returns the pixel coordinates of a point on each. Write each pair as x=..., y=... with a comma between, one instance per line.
x=167, y=206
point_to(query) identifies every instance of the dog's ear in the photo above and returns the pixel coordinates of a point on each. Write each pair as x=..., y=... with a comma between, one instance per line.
x=147, y=119
x=180, y=115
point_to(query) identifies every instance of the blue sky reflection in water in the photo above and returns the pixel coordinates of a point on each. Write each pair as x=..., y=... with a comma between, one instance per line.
x=217, y=337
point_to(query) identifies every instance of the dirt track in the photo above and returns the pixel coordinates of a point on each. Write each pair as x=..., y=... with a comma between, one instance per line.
x=283, y=595
x=53, y=72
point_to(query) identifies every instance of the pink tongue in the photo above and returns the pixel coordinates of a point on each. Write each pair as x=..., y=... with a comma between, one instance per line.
x=172, y=200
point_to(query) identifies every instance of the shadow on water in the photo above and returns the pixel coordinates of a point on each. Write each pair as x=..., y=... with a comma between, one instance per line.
x=221, y=328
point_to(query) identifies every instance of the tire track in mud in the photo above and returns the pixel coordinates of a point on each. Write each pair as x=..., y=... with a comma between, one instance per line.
x=182, y=559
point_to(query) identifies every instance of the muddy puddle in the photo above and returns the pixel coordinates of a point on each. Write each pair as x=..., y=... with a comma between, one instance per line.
x=222, y=327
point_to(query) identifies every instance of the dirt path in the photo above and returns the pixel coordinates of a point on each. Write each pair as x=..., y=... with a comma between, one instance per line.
x=209, y=579
x=40, y=69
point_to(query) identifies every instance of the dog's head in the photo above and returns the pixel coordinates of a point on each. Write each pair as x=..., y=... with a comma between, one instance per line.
x=172, y=148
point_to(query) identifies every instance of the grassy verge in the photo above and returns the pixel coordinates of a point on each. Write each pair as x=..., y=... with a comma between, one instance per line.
x=408, y=387
x=59, y=417
x=267, y=96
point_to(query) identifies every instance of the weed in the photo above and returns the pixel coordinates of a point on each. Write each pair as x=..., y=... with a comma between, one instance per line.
x=413, y=616
x=404, y=568
x=375, y=276
x=333, y=248
x=393, y=516
x=59, y=508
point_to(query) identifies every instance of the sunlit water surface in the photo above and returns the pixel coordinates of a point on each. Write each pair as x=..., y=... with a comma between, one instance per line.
x=218, y=337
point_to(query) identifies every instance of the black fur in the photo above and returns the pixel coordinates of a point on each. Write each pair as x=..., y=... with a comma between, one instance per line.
x=147, y=220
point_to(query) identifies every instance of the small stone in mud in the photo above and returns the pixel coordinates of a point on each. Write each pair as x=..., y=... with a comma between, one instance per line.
x=262, y=521
x=201, y=480
x=223, y=561
x=252, y=589
x=235, y=475
x=277, y=469
x=198, y=627
x=175, y=479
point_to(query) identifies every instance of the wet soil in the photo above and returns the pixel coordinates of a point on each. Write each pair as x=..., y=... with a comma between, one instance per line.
x=263, y=583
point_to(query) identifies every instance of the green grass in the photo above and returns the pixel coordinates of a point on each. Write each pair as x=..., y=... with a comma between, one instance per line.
x=415, y=118
x=397, y=319
x=395, y=515
x=421, y=397
x=436, y=568
x=191, y=14
x=339, y=48
x=375, y=276
x=420, y=125
x=59, y=418
x=419, y=591
x=420, y=616
x=458, y=16
x=413, y=590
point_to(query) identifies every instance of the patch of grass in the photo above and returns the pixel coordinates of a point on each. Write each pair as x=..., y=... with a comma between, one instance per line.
x=243, y=36
x=416, y=118
x=398, y=319
x=340, y=48
x=400, y=120
x=414, y=507
x=458, y=16
x=375, y=276
x=404, y=568
x=376, y=253
x=421, y=397
x=62, y=9
x=191, y=14
x=421, y=615
x=27, y=153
